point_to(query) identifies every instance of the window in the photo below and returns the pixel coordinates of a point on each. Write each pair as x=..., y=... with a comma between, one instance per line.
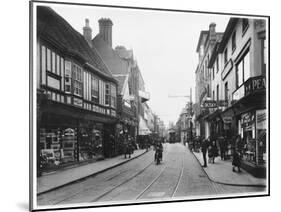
x=233, y=41
x=245, y=24
x=58, y=65
x=217, y=92
x=43, y=65
x=77, y=80
x=243, y=70
x=53, y=62
x=213, y=95
x=217, y=64
x=107, y=94
x=62, y=73
x=226, y=91
x=208, y=90
x=213, y=72
x=225, y=56
x=264, y=55
x=48, y=59
x=95, y=89
x=67, y=78
x=113, y=96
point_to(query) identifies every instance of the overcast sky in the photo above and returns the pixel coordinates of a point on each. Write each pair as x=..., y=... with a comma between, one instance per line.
x=164, y=45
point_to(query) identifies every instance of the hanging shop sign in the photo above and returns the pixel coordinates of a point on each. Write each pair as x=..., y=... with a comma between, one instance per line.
x=239, y=93
x=255, y=84
x=247, y=120
x=261, y=119
x=209, y=104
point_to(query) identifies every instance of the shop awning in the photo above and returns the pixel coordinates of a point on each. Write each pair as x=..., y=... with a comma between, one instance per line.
x=143, y=129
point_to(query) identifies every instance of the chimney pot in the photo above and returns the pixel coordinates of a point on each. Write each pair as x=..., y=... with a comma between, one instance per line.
x=105, y=30
x=87, y=32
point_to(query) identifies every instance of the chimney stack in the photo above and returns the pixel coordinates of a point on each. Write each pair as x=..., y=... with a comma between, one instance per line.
x=105, y=27
x=87, y=32
x=212, y=31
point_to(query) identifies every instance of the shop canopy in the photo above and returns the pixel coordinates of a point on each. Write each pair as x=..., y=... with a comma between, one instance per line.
x=143, y=129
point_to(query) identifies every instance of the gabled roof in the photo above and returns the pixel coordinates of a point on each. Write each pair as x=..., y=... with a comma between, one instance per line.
x=113, y=61
x=54, y=29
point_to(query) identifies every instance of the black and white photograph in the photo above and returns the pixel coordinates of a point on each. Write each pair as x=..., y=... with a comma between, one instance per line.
x=134, y=105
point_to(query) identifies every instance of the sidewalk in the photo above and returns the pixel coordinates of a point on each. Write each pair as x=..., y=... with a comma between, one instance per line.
x=63, y=177
x=221, y=172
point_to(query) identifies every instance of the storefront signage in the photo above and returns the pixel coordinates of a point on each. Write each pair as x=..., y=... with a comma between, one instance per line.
x=222, y=103
x=255, y=84
x=261, y=119
x=239, y=93
x=78, y=102
x=247, y=120
x=209, y=104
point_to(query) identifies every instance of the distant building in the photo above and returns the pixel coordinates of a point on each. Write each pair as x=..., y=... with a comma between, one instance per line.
x=205, y=45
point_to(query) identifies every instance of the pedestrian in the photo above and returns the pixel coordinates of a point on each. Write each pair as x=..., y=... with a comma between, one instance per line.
x=204, y=147
x=213, y=152
x=236, y=160
x=222, y=147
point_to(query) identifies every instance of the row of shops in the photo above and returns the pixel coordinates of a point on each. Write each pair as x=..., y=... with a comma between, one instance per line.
x=245, y=118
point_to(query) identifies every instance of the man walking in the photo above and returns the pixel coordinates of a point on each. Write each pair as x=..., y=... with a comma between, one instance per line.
x=204, y=147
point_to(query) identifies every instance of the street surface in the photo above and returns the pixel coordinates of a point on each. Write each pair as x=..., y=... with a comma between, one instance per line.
x=178, y=176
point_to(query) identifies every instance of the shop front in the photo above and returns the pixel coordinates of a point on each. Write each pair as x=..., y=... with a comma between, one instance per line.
x=68, y=135
x=251, y=115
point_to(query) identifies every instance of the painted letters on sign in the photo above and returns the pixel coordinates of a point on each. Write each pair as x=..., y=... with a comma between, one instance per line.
x=255, y=84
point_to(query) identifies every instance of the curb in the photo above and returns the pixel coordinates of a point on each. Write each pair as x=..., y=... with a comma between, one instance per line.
x=90, y=175
x=229, y=184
